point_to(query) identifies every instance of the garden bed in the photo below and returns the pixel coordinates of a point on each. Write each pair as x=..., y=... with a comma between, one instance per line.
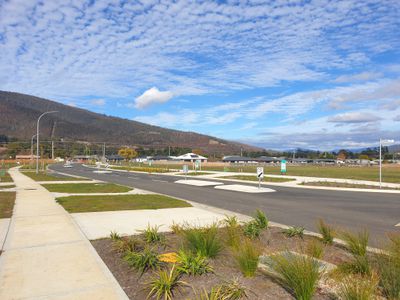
x=224, y=264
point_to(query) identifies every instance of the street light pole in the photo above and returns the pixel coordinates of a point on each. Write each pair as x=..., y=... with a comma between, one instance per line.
x=37, y=138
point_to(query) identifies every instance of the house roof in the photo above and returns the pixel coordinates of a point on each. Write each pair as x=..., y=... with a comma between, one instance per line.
x=190, y=156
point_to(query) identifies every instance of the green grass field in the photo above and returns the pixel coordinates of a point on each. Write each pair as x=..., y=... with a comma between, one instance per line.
x=42, y=176
x=9, y=186
x=6, y=177
x=255, y=178
x=87, y=188
x=75, y=204
x=7, y=200
x=345, y=185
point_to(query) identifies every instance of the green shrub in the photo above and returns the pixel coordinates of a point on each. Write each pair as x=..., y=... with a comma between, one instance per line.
x=356, y=243
x=230, y=290
x=164, y=284
x=232, y=231
x=299, y=274
x=294, y=231
x=327, y=232
x=315, y=249
x=192, y=264
x=143, y=261
x=388, y=268
x=247, y=256
x=261, y=219
x=176, y=228
x=251, y=229
x=358, y=287
x=357, y=265
x=114, y=236
x=203, y=241
x=151, y=234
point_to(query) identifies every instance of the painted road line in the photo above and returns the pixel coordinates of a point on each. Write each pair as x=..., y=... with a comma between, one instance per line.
x=159, y=180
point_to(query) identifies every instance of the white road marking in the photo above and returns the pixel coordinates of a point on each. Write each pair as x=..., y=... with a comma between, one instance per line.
x=198, y=182
x=244, y=188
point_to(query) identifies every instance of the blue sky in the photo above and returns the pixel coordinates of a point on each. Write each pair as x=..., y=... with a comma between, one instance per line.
x=279, y=74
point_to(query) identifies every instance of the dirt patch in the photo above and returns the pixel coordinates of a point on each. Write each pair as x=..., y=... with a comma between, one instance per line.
x=259, y=286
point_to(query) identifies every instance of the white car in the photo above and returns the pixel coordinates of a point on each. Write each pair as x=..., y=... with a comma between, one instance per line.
x=67, y=165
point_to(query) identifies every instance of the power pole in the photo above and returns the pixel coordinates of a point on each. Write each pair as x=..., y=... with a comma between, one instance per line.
x=52, y=150
x=104, y=150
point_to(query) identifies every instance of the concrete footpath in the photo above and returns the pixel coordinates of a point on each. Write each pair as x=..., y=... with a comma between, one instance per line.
x=46, y=256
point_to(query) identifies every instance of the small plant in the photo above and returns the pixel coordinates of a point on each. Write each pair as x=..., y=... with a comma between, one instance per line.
x=128, y=244
x=388, y=268
x=203, y=241
x=176, y=228
x=232, y=231
x=251, y=229
x=247, y=256
x=315, y=249
x=358, y=265
x=192, y=264
x=356, y=243
x=142, y=261
x=230, y=290
x=358, y=287
x=294, y=231
x=327, y=232
x=151, y=234
x=115, y=236
x=164, y=284
x=299, y=274
x=261, y=219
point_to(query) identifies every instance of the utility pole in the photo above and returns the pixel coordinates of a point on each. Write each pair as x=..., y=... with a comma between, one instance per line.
x=52, y=150
x=241, y=151
x=32, y=146
x=104, y=151
x=169, y=150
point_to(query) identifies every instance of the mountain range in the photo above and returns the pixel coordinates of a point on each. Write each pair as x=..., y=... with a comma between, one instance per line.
x=19, y=113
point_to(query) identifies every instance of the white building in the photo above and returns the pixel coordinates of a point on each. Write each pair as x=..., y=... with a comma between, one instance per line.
x=191, y=157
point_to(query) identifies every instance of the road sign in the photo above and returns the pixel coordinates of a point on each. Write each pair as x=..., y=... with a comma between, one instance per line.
x=283, y=166
x=260, y=172
x=197, y=163
x=185, y=168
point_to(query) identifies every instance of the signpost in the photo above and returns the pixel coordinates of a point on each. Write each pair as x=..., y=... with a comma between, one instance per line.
x=283, y=167
x=260, y=175
x=185, y=170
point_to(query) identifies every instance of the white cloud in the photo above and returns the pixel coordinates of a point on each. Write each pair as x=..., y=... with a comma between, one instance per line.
x=354, y=117
x=364, y=76
x=152, y=96
x=98, y=102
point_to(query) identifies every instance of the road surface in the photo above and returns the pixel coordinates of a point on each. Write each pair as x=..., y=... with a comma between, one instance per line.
x=377, y=212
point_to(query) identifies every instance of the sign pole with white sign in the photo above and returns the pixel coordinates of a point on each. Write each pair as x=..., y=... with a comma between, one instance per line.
x=260, y=175
x=185, y=170
x=283, y=167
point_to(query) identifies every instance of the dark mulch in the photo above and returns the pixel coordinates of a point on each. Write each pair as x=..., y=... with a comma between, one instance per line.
x=259, y=287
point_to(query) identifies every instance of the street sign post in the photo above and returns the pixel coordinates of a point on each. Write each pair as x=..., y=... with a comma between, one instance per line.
x=196, y=165
x=283, y=166
x=185, y=170
x=260, y=175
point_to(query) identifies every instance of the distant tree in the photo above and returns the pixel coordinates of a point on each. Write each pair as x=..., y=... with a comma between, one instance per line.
x=363, y=156
x=198, y=151
x=127, y=153
x=342, y=155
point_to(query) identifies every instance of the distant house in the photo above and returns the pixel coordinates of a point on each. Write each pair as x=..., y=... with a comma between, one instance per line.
x=114, y=157
x=191, y=157
x=238, y=159
x=159, y=158
x=84, y=158
x=17, y=157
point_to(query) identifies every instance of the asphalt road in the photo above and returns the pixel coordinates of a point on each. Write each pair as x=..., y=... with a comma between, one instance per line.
x=377, y=212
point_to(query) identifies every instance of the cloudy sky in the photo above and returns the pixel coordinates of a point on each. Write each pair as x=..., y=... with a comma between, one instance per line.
x=280, y=74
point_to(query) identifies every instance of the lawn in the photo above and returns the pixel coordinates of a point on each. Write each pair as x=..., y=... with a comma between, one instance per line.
x=87, y=188
x=255, y=178
x=75, y=204
x=6, y=177
x=7, y=200
x=345, y=185
x=7, y=186
x=43, y=176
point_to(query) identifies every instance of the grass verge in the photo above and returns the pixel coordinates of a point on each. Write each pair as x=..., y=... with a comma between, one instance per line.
x=43, y=176
x=6, y=178
x=87, y=188
x=255, y=178
x=75, y=204
x=346, y=185
x=7, y=186
x=7, y=200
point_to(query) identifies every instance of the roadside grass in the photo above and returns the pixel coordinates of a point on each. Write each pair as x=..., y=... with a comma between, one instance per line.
x=346, y=185
x=6, y=178
x=43, y=176
x=7, y=186
x=7, y=200
x=255, y=178
x=87, y=188
x=76, y=204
